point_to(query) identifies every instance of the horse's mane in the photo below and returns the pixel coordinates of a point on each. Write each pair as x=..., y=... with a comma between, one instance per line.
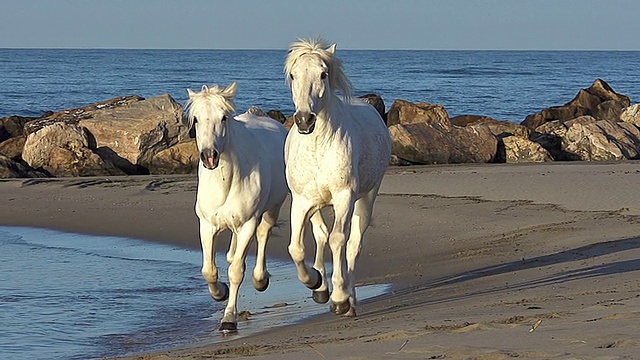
x=221, y=97
x=338, y=80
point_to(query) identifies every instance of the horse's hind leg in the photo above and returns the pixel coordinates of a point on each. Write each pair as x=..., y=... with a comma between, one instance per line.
x=321, y=234
x=260, y=273
x=363, y=209
x=219, y=291
x=236, y=275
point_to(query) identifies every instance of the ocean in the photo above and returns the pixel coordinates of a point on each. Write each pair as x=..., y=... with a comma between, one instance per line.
x=506, y=85
x=71, y=296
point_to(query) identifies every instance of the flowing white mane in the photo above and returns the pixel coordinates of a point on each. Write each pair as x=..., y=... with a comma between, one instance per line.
x=215, y=96
x=337, y=77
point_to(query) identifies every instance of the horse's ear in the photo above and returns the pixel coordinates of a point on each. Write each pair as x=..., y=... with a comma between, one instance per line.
x=191, y=93
x=205, y=88
x=231, y=89
x=332, y=48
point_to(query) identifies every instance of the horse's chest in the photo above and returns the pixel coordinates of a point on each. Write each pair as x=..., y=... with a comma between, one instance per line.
x=317, y=179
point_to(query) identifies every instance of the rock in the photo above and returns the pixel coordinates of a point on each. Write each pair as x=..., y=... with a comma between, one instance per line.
x=376, y=101
x=549, y=136
x=522, y=150
x=631, y=115
x=396, y=161
x=289, y=122
x=13, y=126
x=73, y=116
x=12, y=148
x=597, y=94
x=555, y=113
x=601, y=140
x=138, y=130
x=599, y=101
x=427, y=143
x=181, y=158
x=405, y=112
x=277, y=115
x=499, y=128
x=13, y=169
x=63, y=149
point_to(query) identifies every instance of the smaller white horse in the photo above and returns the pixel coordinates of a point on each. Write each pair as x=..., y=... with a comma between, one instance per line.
x=241, y=187
x=336, y=155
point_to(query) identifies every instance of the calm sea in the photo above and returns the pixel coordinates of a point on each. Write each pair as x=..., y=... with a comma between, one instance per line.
x=507, y=85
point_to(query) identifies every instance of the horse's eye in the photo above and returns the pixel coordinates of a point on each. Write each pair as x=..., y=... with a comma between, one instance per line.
x=224, y=118
x=323, y=75
x=291, y=77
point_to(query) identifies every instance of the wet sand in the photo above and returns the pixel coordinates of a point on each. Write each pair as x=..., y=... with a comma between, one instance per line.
x=492, y=261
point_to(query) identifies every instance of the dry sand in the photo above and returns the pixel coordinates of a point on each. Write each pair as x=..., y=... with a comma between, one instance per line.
x=537, y=261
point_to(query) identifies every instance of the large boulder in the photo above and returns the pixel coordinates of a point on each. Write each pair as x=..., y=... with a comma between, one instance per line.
x=136, y=131
x=426, y=143
x=181, y=158
x=590, y=139
x=405, y=112
x=63, y=149
x=599, y=101
x=13, y=126
x=12, y=148
x=376, y=101
x=631, y=115
x=73, y=116
x=522, y=150
x=10, y=168
x=499, y=128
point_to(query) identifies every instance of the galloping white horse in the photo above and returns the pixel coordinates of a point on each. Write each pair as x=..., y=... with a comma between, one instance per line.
x=336, y=154
x=241, y=187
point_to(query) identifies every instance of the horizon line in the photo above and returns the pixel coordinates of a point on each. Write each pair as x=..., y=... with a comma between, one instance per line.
x=285, y=49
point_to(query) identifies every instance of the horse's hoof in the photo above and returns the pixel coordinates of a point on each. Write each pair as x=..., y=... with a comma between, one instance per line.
x=261, y=285
x=225, y=293
x=340, y=308
x=318, y=283
x=320, y=296
x=228, y=327
x=351, y=312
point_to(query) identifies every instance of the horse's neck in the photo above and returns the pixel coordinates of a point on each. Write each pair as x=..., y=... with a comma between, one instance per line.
x=331, y=119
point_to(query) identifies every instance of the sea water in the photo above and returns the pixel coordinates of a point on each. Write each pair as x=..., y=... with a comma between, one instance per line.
x=506, y=85
x=72, y=296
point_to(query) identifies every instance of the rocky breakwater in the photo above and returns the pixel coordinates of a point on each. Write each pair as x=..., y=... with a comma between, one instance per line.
x=135, y=136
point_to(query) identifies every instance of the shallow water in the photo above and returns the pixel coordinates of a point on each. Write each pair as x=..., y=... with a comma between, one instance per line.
x=71, y=296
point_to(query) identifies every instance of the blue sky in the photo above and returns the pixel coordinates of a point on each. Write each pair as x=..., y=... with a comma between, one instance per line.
x=353, y=24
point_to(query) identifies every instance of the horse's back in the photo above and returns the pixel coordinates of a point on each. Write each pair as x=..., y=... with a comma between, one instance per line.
x=269, y=137
x=374, y=139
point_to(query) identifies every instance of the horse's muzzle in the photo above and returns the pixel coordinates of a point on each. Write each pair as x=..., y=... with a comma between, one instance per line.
x=305, y=121
x=209, y=158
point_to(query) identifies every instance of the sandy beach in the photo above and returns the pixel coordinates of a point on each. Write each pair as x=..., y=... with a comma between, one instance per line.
x=491, y=261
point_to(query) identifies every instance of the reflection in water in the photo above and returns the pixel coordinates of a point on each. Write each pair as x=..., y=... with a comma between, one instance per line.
x=70, y=296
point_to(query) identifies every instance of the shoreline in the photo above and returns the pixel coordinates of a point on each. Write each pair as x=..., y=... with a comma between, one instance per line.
x=477, y=256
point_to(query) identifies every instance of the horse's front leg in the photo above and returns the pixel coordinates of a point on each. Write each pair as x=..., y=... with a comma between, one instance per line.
x=320, y=234
x=343, y=207
x=300, y=209
x=236, y=274
x=219, y=291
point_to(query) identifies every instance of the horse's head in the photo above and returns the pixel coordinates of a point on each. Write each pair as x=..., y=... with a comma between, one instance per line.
x=314, y=74
x=209, y=112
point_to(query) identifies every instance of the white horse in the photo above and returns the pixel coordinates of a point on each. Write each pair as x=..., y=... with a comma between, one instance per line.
x=241, y=187
x=336, y=154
